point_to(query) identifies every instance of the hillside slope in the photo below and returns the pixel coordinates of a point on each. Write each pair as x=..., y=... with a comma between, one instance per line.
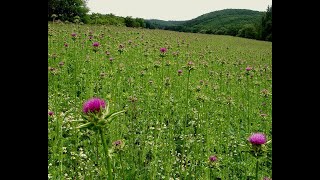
x=227, y=21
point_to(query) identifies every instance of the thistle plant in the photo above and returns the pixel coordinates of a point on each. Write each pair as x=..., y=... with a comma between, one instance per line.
x=74, y=36
x=95, y=46
x=163, y=52
x=257, y=141
x=118, y=148
x=50, y=113
x=61, y=63
x=213, y=164
x=121, y=48
x=189, y=67
x=248, y=69
x=96, y=117
x=162, y=55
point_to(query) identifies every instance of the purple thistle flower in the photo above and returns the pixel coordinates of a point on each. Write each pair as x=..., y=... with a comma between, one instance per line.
x=117, y=143
x=179, y=72
x=213, y=158
x=51, y=68
x=257, y=139
x=190, y=63
x=66, y=45
x=111, y=59
x=266, y=178
x=50, y=113
x=73, y=34
x=93, y=105
x=248, y=68
x=163, y=50
x=95, y=44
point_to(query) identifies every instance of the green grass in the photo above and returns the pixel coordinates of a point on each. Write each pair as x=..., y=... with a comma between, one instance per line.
x=172, y=124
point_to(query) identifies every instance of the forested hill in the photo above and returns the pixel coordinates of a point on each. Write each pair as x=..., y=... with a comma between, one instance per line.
x=227, y=21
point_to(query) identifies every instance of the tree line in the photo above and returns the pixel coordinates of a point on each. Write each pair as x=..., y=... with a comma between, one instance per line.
x=76, y=11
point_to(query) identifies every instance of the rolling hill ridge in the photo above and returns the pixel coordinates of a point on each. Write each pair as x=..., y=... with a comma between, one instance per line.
x=227, y=21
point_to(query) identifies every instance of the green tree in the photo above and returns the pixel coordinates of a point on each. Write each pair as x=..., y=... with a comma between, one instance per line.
x=141, y=22
x=266, y=25
x=68, y=9
x=129, y=21
x=248, y=31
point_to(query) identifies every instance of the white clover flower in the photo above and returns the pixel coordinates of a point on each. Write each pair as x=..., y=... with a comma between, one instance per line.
x=64, y=149
x=83, y=155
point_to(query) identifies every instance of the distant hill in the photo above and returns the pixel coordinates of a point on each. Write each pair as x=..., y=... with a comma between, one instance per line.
x=227, y=21
x=161, y=23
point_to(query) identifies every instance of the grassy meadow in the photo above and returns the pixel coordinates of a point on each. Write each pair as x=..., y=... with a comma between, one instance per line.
x=203, y=97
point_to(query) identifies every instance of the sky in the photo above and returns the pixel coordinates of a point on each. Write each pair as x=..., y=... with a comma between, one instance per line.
x=171, y=9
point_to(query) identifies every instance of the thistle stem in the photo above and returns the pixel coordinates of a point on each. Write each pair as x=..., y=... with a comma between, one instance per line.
x=106, y=154
x=187, y=103
x=257, y=169
x=248, y=108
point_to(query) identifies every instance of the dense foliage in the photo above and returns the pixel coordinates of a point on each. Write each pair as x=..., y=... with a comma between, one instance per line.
x=106, y=19
x=266, y=25
x=68, y=10
x=111, y=19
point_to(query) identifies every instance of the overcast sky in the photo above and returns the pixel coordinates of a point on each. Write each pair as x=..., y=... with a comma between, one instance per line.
x=171, y=9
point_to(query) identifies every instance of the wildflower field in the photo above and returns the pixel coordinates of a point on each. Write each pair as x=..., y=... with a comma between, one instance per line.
x=129, y=103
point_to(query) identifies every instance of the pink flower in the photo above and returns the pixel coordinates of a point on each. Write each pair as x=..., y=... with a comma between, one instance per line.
x=257, y=139
x=50, y=113
x=163, y=50
x=248, y=68
x=213, y=158
x=94, y=105
x=117, y=143
x=96, y=44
